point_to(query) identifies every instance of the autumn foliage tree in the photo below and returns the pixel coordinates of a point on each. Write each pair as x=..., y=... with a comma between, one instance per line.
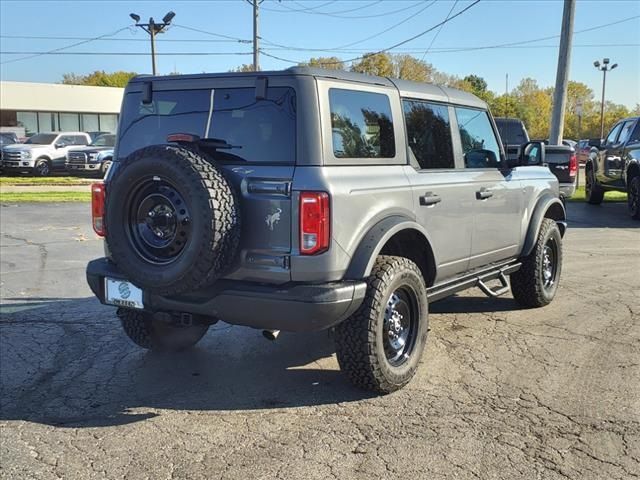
x=99, y=78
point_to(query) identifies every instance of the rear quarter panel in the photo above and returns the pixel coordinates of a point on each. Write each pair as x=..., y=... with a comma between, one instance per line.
x=536, y=182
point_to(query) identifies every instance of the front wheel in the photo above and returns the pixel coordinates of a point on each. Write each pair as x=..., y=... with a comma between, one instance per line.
x=157, y=335
x=633, y=197
x=42, y=168
x=379, y=347
x=536, y=283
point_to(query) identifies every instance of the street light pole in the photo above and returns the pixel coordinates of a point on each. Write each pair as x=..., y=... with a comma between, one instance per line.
x=604, y=68
x=153, y=28
x=256, y=36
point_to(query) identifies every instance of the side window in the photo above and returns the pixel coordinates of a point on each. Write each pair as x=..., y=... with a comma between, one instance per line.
x=361, y=124
x=479, y=143
x=66, y=139
x=613, y=134
x=429, y=134
x=635, y=136
x=625, y=133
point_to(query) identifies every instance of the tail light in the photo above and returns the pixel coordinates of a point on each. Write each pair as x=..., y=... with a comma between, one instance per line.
x=97, y=208
x=573, y=165
x=314, y=222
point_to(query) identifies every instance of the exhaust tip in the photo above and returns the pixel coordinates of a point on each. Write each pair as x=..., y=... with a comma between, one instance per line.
x=271, y=334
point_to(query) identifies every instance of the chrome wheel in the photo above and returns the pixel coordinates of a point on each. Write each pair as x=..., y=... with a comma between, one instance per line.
x=399, y=326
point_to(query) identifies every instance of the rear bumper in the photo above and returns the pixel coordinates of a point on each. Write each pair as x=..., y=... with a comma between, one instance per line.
x=290, y=307
x=567, y=189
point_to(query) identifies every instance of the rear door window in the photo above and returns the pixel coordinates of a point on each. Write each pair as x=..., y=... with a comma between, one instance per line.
x=256, y=130
x=479, y=143
x=361, y=124
x=429, y=134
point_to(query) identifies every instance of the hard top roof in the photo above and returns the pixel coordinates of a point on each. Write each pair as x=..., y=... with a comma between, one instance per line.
x=405, y=87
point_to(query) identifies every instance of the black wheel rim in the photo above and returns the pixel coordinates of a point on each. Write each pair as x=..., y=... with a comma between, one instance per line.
x=633, y=197
x=159, y=221
x=549, y=264
x=400, y=326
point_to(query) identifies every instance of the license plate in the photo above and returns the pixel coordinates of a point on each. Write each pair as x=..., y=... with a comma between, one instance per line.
x=122, y=293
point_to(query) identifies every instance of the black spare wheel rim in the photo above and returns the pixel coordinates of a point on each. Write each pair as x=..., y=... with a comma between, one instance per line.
x=549, y=268
x=159, y=221
x=400, y=326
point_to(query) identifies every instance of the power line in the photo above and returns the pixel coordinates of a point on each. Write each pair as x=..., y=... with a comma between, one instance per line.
x=351, y=17
x=405, y=20
x=438, y=32
x=126, y=53
x=465, y=49
x=163, y=40
x=240, y=40
x=65, y=47
x=403, y=42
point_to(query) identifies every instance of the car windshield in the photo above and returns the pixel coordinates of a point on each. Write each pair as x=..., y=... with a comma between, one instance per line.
x=6, y=139
x=104, y=141
x=42, y=139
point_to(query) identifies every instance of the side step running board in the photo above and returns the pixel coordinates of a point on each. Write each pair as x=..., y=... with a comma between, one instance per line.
x=504, y=288
x=479, y=279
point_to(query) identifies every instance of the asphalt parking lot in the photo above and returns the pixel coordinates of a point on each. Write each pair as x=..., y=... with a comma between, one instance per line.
x=502, y=393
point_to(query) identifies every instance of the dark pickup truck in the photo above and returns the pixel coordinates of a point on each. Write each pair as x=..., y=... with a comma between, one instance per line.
x=614, y=164
x=561, y=159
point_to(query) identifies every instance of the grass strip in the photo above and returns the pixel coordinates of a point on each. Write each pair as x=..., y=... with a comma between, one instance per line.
x=45, y=181
x=42, y=197
x=608, y=196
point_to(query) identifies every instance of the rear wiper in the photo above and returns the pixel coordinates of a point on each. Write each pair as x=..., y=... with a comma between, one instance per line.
x=217, y=143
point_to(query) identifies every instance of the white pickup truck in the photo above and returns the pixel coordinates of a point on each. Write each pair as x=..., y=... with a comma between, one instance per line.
x=42, y=153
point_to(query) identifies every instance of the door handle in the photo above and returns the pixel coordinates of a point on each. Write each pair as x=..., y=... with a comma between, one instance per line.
x=483, y=194
x=429, y=199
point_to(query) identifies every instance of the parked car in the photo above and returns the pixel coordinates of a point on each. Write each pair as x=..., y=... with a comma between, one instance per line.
x=582, y=151
x=8, y=138
x=93, y=159
x=614, y=164
x=275, y=221
x=42, y=153
x=560, y=159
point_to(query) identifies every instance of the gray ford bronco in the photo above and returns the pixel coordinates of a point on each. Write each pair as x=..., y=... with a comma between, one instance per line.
x=307, y=199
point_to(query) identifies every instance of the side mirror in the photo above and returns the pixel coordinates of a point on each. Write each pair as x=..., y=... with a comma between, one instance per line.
x=595, y=142
x=532, y=153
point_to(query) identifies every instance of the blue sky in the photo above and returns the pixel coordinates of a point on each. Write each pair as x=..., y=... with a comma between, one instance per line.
x=328, y=24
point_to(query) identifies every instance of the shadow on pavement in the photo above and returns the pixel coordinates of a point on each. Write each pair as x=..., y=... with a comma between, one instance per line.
x=68, y=363
x=606, y=215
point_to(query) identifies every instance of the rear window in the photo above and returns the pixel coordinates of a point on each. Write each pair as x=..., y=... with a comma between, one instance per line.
x=361, y=124
x=259, y=131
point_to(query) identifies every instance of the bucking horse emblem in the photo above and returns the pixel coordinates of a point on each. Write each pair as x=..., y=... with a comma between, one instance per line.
x=273, y=219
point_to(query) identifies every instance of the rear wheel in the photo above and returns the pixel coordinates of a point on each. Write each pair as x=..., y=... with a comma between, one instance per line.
x=42, y=168
x=593, y=192
x=380, y=346
x=158, y=335
x=633, y=197
x=536, y=283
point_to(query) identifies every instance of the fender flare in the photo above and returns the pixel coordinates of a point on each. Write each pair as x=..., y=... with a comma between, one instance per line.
x=545, y=203
x=375, y=239
x=633, y=164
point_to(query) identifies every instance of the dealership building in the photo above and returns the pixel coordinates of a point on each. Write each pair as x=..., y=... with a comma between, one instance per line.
x=50, y=107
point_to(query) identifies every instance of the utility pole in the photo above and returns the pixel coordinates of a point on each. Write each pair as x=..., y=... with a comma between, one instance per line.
x=604, y=68
x=153, y=28
x=562, y=74
x=256, y=47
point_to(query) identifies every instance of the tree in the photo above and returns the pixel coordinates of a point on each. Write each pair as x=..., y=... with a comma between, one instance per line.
x=99, y=78
x=408, y=67
x=245, y=67
x=330, y=63
x=478, y=84
x=374, y=64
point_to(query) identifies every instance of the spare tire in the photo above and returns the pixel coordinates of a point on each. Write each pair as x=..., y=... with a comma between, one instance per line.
x=172, y=220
